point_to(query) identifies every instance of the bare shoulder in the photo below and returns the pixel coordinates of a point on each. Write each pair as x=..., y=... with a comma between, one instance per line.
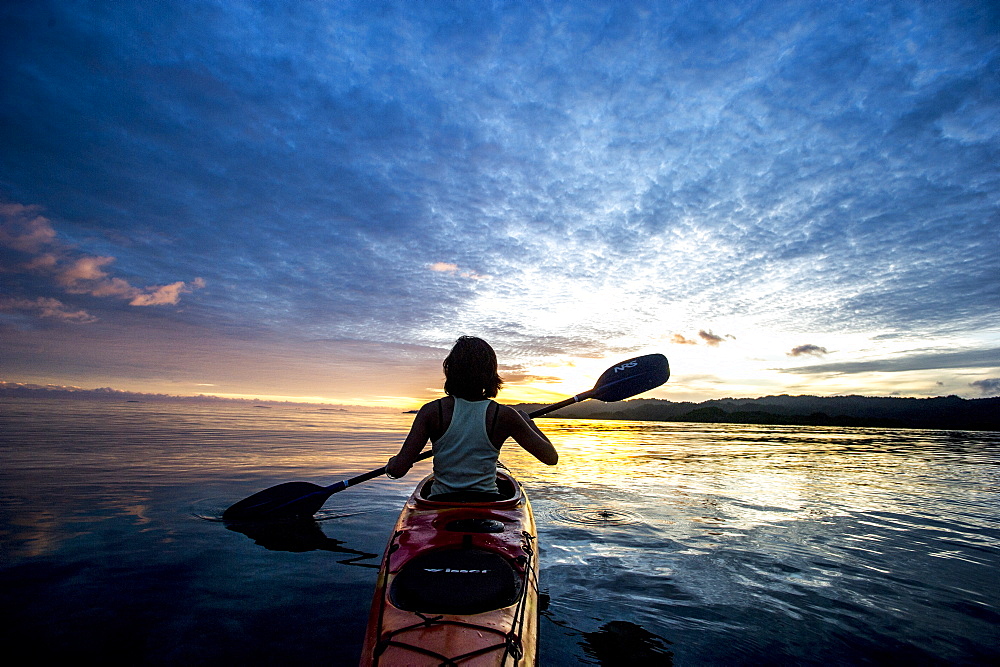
x=427, y=415
x=510, y=419
x=435, y=416
x=428, y=408
x=508, y=415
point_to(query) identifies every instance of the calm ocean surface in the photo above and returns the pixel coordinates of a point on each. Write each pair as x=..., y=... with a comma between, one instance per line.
x=686, y=543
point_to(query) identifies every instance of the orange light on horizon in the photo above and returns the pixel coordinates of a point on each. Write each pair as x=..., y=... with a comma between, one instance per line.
x=385, y=403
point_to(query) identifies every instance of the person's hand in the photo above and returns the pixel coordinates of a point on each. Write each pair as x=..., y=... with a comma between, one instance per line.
x=394, y=470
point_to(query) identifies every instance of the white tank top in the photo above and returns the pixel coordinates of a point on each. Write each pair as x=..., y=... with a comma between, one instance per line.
x=464, y=457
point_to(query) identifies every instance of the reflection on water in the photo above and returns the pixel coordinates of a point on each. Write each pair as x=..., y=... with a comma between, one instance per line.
x=696, y=543
x=738, y=541
x=625, y=644
x=744, y=476
x=299, y=535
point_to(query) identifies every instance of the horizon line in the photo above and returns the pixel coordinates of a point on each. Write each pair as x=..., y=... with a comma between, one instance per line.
x=109, y=392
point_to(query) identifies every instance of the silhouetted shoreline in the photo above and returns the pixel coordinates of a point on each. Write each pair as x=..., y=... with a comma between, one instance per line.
x=943, y=412
x=35, y=391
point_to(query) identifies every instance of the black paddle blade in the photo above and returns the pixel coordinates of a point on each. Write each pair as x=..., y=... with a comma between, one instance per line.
x=631, y=377
x=281, y=501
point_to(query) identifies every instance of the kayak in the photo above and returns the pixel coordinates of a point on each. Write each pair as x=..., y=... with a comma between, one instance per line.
x=458, y=584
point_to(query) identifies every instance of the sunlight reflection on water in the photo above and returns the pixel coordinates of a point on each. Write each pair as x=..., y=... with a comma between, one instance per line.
x=724, y=543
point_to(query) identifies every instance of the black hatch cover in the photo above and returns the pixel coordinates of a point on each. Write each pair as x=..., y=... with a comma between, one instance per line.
x=456, y=581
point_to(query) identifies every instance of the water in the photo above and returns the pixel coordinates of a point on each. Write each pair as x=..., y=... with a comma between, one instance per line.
x=686, y=543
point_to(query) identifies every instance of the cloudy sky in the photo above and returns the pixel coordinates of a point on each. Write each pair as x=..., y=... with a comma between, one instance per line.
x=314, y=199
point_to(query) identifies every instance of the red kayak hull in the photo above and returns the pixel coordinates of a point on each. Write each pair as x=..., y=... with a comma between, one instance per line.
x=458, y=584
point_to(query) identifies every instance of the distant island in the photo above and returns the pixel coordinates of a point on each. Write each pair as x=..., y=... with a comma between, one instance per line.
x=24, y=390
x=943, y=412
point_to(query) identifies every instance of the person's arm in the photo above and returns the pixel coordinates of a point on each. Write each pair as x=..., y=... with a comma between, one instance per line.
x=527, y=434
x=418, y=436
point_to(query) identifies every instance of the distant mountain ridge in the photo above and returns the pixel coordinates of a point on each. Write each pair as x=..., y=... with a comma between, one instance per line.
x=943, y=412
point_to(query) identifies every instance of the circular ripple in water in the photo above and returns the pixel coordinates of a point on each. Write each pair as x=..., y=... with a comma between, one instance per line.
x=595, y=516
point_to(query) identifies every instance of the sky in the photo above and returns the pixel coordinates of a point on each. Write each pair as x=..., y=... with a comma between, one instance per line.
x=312, y=200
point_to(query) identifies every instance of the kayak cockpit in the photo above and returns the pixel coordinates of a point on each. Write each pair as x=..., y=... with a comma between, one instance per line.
x=508, y=494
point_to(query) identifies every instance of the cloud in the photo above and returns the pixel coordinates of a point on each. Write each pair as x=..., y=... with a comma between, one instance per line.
x=23, y=230
x=714, y=339
x=445, y=267
x=989, y=387
x=814, y=350
x=710, y=338
x=37, y=250
x=521, y=376
x=915, y=361
x=46, y=307
x=161, y=296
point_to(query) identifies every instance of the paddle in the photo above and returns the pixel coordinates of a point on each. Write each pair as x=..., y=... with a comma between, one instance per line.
x=619, y=382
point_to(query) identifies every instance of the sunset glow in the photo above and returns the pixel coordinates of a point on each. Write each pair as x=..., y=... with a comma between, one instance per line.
x=311, y=202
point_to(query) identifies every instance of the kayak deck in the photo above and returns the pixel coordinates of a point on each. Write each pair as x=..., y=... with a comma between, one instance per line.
x=458, y=583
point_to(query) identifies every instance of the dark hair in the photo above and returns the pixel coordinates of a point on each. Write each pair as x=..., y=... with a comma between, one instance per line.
x=470, y=370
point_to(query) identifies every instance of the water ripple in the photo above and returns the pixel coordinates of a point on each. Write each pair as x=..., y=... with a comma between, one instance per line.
x=595, y=516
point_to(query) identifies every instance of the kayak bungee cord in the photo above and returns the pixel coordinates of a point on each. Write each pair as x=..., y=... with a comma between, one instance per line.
x=512, y=644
